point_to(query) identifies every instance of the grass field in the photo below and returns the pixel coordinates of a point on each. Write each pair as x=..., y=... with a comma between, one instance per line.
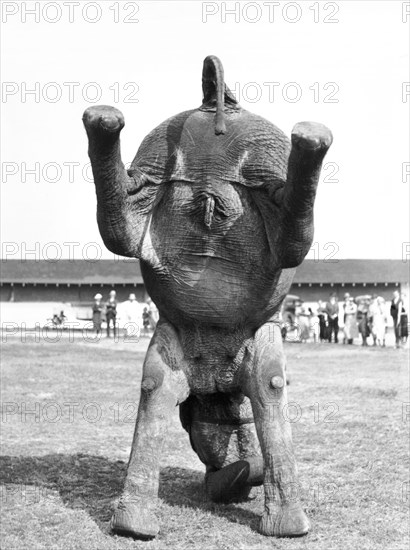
x=68, y=412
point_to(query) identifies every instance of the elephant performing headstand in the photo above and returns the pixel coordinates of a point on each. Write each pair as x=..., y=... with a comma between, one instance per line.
x=218, y=207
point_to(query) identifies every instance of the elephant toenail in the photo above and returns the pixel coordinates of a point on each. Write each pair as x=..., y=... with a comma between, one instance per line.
x=148, y=384
x=276, y=382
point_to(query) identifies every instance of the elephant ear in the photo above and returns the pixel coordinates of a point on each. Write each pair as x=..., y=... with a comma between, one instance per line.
x=185, y=413
x=157, y=161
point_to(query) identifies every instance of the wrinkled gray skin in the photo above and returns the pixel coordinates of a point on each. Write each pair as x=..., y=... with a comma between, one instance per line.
x=218, y=206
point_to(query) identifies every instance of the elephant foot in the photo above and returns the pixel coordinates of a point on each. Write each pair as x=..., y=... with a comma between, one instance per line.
x=134, y=520
x=103, y=119
x=311, y=136
x=229, y=484
x=290, y=521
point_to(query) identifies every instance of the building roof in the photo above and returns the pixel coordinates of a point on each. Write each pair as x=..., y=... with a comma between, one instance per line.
x=85, y=272
x=353, y=271
x=127, y=271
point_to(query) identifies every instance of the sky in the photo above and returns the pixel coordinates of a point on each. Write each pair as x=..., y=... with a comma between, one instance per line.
x=344, y=64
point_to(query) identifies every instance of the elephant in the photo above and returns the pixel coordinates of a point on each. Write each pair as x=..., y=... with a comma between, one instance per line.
x=218, y=207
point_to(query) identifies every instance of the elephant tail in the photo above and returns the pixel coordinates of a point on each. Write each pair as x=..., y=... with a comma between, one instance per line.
x=213, y=87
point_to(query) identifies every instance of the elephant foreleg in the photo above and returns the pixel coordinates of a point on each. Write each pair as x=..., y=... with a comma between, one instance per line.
x=118, y=218
x=265, y=385
x=310, y=142
x=161, y=390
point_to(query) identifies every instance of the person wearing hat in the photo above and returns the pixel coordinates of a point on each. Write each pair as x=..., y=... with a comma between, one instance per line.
x=111, y=313
x=363, y=317
x=350, y=329
x=97, y=313
x=323, y=321
x=396, y=311
x=332, y=310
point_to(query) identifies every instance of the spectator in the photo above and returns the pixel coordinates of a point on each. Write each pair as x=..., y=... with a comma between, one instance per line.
x=373, y=307
x=396, y=311
x=314, y=326
x=146, y=320
x=332, y=310
x=153, y=314
x=404, y=322
x=111, y=313
x=323, y=321
x=97, y=314
x=303, y=320
x=130, y=310
x=363, y=319
x=58, y=320
x=350, y=320
x=378, y=321
x=288, y=315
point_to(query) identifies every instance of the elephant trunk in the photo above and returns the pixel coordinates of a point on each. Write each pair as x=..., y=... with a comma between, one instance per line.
x=310, y=142
x=103, y=126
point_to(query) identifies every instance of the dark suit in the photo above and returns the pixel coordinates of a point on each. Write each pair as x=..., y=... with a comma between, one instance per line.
x=111, y=316
x=333, y=312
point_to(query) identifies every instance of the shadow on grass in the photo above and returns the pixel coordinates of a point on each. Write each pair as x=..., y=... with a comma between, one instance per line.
x=92, y=483
x=182, y=487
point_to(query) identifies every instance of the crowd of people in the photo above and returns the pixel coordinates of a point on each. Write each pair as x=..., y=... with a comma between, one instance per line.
x=129, y=312
x=364, y=316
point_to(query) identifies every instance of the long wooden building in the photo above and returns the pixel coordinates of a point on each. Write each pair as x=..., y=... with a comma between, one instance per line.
x=77, y=281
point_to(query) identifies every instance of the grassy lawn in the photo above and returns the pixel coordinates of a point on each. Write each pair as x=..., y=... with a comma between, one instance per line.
x=68, y=413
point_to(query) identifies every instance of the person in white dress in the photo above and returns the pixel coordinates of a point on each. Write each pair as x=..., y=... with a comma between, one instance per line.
x=153, y=314
x=131, y=315
x=350, y=319
x=377, y=313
